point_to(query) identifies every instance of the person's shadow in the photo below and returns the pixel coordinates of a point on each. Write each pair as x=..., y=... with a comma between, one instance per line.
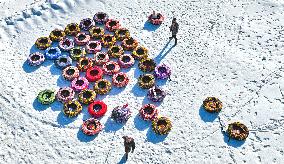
x=162, y=54
x=122, y=160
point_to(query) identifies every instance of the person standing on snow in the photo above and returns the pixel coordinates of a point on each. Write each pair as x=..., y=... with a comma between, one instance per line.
x=128, y=145
x=174, y=29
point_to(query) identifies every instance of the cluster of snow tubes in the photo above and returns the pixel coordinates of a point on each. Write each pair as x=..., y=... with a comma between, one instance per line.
x=120, y=79
x=238, y=131
x=129, y=44
x=79, y=84
x=140, y=52
x=122, y=34
x=156, y=20
x=97, y=32
x=52, y=53
x=121, y=114
x=112, y=25
x=72, y=108
x=146, y=81
x=111, y=68
x=87, y=96
x=212, y=105
x=84, y=63
x=149, y=112
x=102, y=86
x=147, y=65
x=65, y=94
x=63, y=62
x=56, y=35
x=126, y=61
x=108, y=40
x=72, y=29
x=35, y=59
x=91, y=127
x=94, y=73
x=86, y=24
x=101, y=17
x=66, y=44
x=43, y=43
x=101, y=58
x=156, y=94
x=70, y=73
x=97, y=109
x=115, y=51
x=162, y=72
x=46, y=96
x=77, y=52
x=82, y=39
x=161, y=125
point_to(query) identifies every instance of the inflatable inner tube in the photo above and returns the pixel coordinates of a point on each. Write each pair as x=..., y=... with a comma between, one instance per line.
x=84, y=63
x=87, y=96
x=70, y=73
x=72, y=29
x=140, y=53
x=93, y=47
x=120, y=79
x=212, y=105
x=94, y=74
x=102, y=86
x=82, y=39
x=52, y=53
x=77, y=52
x=63, y=61
x=111, y=68
x=115, y=51
x=43, y=43
x=65, y=94
x=56, y=35
x=66, y=44
x=121, y=114
x=156, y=94
x=112, y=25
x=36, y=59
x=148, y=112
x=86, y=24
x=46, y=96
x=238, y=131
x=126, y=61
x=97, y=109
x=147, y=65
x=161, y=125
x=122, y=33
x=72, y=108
x=101, y=58
x=79, y=84
x=101, y=18
x=156, y=21
x=91, y=127
x=97, y=32
x=162, y=71
x=146, y=81
x=129, y=44
x=108, y=40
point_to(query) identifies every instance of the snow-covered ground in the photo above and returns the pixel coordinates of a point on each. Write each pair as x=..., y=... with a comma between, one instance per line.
x=229, y=49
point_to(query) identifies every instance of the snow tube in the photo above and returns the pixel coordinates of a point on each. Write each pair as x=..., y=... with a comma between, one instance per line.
x=65, y=94
x=66, y=44
x=108, y=40
x=129, y=44
x=146, y=81
x=161, y=125
x=84, y=63
x=56, y=35
x=102, y=86
x=121, y=34
x=43, y=43
x=147, y=65
x=120, y=79
x=87, y=96
x=86, y=24
x=70, y=73
x=97, y=32
x=82, y=38
x=162, y=72
x=46, y=96
x=72, y=29
x=77, y=52
x=94, y=73
x=92, y=127
x=112, y=25
x=115, y=51
x=111, y=68
x=121, y=114
x=156, y=21
x=52, y=53
x=126, y=61
x=140, y=53
x=101, y=58
x=100, y=18
x=148, y=112
x=35, y=59
x=97, y=109
x=63, y=62
x=238, y=131
x=79, y=84
x=72, y=108
x=212, y=105
x=156, y=94
x=93, y=47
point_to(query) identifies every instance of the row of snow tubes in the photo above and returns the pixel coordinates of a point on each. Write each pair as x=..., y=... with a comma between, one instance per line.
x=235, y=130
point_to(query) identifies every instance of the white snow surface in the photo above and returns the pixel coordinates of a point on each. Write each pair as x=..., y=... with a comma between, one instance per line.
x=229, y=49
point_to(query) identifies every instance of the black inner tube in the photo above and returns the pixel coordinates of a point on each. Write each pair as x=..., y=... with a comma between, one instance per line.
x=65, y=93
x=120, y=78
x=101, y=16
x=82, y=37
x=158, y=92
x=161, y=122
x=70, y=71
x=77, y=51
x=43, y=40
x=87, y=22
x=35, y=57
x=63, y=60
x=93, y=45
x=125, y=59
x=52, y=51
x=57, y=33
x=146, y=79
x=84, y=62
x=101, y=56
x=140, y=51
x=72, y=107
x=47, y=95
x=162, y=69
x=108, y=38
x=112, y=23
x=148, y=110
x=87, y=94
x=237, y=128
x=79, y=82
x=102, y=84
x=72, y=27
x=147, y=63
x=67, y=43
x=97, y=30
x=122, y=32
x=110, y=66
x=94, y=72
x=129, y=41
x=97, y=107
x=115, y=49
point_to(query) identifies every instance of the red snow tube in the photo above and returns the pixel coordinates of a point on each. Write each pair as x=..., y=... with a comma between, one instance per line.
x=97, y=109
x=94, y=73
x=156, y=21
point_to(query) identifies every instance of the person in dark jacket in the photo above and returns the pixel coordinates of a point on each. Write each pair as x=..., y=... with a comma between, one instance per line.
x=174, y=29
x=128, y=145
